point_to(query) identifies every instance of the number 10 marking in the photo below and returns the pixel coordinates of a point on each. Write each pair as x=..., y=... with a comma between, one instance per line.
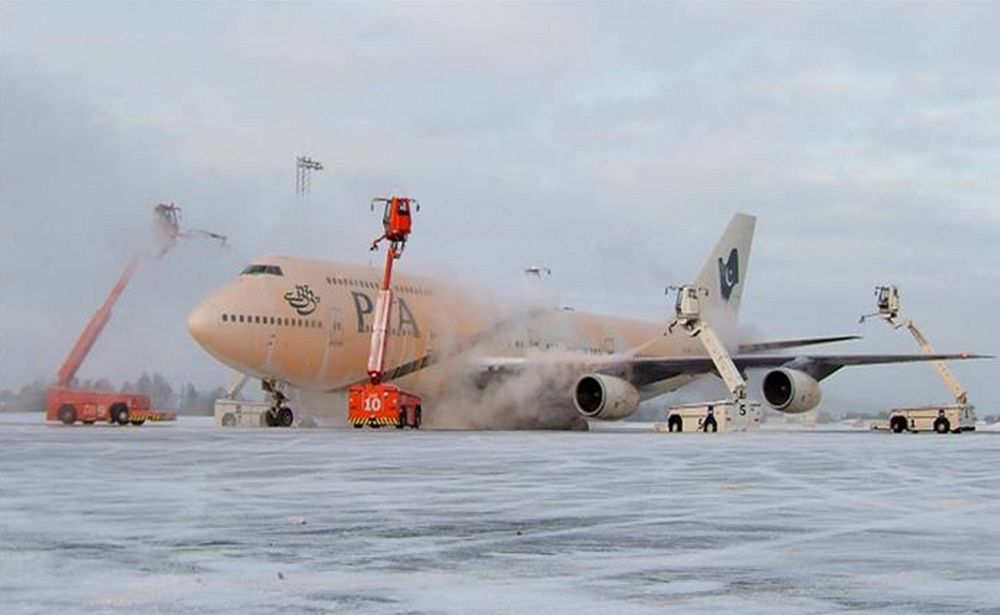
x=373, y=403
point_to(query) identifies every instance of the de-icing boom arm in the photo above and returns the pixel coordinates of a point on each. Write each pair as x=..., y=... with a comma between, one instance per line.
x=93, y=329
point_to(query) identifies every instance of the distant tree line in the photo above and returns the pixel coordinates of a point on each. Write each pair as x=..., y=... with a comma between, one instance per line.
x=188, y=400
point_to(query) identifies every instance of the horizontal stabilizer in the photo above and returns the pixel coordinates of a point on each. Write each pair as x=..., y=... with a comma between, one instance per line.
x=782, y=344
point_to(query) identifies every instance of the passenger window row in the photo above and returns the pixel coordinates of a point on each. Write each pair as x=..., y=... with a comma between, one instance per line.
x=276, y=320
x=404, y=288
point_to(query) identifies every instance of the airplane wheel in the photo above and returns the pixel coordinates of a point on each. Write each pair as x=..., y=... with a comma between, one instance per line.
x=674, y=423
x=119, y=413
x=898, y=424
x=285, y=417
x=711, y=426
x=271, y=418
x=942, y=425
x=67, y=413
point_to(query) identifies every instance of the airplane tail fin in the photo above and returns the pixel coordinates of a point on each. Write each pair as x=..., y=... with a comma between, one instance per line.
x=724, y=274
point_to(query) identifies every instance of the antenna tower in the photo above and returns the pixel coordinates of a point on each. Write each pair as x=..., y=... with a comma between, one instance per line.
x=304, y=166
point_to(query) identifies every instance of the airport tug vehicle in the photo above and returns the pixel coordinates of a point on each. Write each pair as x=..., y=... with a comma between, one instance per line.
x=66, y=403
x=940, y=418
x=734, y=414
x=231, y=411
x=376, y=403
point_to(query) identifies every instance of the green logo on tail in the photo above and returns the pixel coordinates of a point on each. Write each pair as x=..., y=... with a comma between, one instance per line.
x=729, y=273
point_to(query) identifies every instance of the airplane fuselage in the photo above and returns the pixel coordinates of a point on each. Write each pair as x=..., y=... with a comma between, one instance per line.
x=308, y=323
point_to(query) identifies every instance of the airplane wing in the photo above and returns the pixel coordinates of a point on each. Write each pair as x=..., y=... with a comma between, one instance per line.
x=641, y=371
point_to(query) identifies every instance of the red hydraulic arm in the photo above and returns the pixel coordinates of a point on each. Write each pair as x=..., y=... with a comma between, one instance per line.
x=93, y=329
x=166, y=227
x=397, y=224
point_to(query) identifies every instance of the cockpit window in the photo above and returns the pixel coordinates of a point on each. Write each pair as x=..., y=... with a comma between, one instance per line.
x=262, y=270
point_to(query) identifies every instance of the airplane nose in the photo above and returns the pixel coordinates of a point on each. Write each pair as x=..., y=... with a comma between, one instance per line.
x=200, y=323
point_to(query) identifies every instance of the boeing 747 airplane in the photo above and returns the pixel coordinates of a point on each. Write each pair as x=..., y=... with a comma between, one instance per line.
x=302, y=323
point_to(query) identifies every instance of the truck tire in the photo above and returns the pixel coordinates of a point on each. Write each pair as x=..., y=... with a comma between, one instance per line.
x=675, y=423
x=137, y=422
x=711, y=426
x=942, y=425
x=228, y=420
x=401, y=423
x=418, y=417
x=897, y=424
x=118, y=413
x=67, y=413
x=285, y=417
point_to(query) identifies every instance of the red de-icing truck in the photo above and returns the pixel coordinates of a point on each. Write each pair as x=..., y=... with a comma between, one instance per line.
x=376, y=403
x=68, y=404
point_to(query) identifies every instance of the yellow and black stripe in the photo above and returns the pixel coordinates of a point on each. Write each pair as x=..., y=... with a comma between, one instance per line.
x=373, y=421
x=139, y=415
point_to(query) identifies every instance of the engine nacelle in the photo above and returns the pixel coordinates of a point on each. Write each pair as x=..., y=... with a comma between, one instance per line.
x=791, y=391
x=606, y=398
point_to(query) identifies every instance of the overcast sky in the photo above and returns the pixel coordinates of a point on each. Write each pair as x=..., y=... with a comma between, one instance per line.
x=610, y=142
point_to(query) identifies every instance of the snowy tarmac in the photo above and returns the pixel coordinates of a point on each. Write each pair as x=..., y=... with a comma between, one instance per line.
x=183, y=518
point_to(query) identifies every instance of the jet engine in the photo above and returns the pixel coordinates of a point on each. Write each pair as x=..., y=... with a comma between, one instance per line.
x=791, y=391
x=607, y=398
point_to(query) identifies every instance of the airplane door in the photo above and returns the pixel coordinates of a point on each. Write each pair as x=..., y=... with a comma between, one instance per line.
x=333, y=348
x=336, y=336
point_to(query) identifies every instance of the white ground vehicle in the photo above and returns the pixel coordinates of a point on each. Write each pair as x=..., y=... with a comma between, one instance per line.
x=710, y=417
x=238, y=413
x=232, y=412
x=953, y=418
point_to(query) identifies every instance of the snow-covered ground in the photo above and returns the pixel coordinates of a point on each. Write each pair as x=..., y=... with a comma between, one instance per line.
x=181, y=518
